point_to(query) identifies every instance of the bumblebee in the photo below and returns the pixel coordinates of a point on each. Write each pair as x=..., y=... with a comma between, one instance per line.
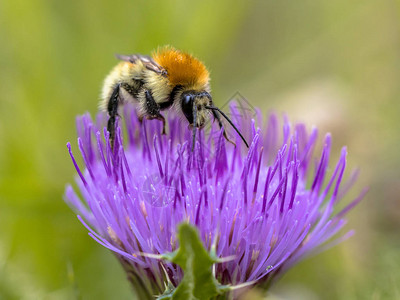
x=168, y=79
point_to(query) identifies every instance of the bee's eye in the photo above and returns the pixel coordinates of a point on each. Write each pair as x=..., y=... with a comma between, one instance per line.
x=187, y=107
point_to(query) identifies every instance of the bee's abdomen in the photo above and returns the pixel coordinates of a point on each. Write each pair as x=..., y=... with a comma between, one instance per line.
x=132, y=87
x=128, y=76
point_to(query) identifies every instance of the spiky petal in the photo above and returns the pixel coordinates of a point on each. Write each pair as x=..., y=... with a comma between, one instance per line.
x=268, y=206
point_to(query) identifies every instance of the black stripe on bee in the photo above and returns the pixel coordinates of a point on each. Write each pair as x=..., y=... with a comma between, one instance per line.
x=171, y=98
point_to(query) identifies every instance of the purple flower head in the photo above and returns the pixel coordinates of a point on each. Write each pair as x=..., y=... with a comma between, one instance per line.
x=266, y=207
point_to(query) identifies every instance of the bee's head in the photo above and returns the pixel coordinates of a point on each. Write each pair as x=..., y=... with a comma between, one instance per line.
x=194, y=107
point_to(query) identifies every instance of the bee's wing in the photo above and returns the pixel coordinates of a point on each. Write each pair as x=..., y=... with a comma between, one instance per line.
x=147, y=61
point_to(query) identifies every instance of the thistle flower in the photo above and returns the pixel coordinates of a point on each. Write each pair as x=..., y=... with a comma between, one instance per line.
x=265, y=208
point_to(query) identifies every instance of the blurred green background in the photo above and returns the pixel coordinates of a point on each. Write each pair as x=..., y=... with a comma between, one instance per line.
x=334, y=64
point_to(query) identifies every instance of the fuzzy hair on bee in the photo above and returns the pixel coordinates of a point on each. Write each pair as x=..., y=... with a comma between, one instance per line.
x=169, y=79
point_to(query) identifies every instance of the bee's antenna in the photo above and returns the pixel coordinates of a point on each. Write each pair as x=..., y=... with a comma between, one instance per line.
x=194, y=124
x=230, y=122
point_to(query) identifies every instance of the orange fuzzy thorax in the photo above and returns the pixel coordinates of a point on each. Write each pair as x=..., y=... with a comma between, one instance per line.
x=182, y=68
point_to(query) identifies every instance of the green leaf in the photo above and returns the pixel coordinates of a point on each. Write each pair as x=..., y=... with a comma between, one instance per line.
x=198, y=281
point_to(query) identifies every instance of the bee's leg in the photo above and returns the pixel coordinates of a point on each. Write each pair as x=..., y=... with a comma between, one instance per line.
x=218, y=118
x=112, y=109
x=152, y=109
x=162, y=119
